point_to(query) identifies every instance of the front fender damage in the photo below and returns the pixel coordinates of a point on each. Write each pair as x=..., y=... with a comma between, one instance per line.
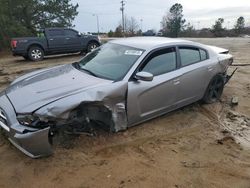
x=97, y=104
x=105, y=104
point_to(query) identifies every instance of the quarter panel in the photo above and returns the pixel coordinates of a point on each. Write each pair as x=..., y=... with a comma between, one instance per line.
x=194, y=81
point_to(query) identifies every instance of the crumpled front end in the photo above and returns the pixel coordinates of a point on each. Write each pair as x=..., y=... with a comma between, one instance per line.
x=32, y=133
x=31, y=141
x=106, y=104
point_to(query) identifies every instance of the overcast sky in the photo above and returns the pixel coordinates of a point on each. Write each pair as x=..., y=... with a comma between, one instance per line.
x=200, y=13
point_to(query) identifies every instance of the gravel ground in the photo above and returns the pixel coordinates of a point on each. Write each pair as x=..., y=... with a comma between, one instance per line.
x=196, y=146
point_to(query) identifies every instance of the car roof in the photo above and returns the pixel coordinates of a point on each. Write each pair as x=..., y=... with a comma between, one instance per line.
x=146, y=43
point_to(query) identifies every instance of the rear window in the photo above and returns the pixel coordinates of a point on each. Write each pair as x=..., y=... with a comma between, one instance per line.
x=204, y=55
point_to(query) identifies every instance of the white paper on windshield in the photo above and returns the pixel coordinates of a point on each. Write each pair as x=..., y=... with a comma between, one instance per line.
x=133, y=52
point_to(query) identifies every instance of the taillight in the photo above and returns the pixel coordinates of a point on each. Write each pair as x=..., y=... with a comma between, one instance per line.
x=13, y=43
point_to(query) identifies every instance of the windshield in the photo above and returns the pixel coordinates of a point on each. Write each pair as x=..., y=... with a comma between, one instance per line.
x=110, y=61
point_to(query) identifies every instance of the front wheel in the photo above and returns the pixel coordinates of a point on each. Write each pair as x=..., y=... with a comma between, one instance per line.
x=91, y=46
x=214, y=90
x=36, y=53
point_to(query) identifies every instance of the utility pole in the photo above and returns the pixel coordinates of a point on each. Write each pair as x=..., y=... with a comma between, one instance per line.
x=122, y=9
x=141, y=24
x=97, y=22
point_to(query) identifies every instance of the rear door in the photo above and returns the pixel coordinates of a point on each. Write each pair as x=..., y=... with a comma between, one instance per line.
x=146, y=99
x=195, y=67
x=56, y=39
x=73, y=40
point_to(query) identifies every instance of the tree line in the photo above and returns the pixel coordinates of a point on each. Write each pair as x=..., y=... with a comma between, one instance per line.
x=173, y=24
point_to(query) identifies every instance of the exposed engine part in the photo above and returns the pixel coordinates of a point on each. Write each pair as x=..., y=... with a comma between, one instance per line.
x=81, y=128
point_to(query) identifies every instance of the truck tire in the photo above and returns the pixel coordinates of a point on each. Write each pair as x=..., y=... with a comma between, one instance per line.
x=214, y=89
x=92, y=45
x=36, y=53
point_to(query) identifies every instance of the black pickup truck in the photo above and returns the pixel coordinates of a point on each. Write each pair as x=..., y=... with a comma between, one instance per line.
x=53, y=41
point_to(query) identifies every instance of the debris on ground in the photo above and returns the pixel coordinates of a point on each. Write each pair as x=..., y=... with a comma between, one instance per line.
x=234, y=100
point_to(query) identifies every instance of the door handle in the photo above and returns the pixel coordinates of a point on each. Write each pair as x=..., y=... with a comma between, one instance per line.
x=210, y=68
x=67, y=38
x=51, y=39
x=176, y=81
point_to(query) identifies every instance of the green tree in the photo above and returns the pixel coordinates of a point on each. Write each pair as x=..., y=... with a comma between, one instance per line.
x=110, y=33
x=217, y=28
x=118, y=31
x=139, y=32
x=173, y=23
x=189, y=31
x=240, y=25
x=22, y=18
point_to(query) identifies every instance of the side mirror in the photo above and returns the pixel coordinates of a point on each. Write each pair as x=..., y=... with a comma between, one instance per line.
x=79, y=34
x=144, y=76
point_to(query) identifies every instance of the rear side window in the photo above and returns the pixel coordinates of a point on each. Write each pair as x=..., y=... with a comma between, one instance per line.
x=69, y=32
x=191, y=55
x=55, y=32
x=204, y=55
x=161, y=62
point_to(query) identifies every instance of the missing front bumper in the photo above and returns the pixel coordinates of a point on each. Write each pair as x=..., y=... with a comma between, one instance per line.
x=33, y=144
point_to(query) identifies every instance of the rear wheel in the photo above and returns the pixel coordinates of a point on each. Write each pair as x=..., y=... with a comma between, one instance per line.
x=91, y=46
x=36, y=53
x=214, y=90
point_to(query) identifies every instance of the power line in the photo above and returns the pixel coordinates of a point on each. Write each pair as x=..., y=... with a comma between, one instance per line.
x=104, y=14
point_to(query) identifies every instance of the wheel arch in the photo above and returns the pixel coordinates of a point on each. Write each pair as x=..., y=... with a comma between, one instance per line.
x=95, y=111
x=210, y=81
x=218, y=74
x=35, y=45
x=93, y=40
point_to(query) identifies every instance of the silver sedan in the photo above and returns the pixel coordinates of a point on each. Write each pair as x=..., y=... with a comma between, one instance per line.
x=121, y=84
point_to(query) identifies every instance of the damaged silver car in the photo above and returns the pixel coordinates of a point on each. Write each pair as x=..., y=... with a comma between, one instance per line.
x=122, y=83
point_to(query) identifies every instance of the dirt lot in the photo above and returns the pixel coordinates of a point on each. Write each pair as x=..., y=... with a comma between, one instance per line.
x=197, y=146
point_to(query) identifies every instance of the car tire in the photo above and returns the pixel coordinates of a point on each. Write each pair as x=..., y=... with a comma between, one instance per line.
x=91, y=46
x=36, y=53
x=214, y=90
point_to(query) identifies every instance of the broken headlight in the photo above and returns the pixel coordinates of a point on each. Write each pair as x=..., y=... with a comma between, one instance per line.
x=27, y=119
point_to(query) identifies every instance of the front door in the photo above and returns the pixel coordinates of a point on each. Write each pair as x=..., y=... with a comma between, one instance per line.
x=147, y=99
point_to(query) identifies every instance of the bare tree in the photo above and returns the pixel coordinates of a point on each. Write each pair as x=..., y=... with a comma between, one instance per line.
x=132, y=26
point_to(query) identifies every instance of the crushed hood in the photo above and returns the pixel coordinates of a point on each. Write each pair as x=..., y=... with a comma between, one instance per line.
x=37, y=89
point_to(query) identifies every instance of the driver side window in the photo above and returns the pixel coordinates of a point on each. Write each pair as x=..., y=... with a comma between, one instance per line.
x=161, y=62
